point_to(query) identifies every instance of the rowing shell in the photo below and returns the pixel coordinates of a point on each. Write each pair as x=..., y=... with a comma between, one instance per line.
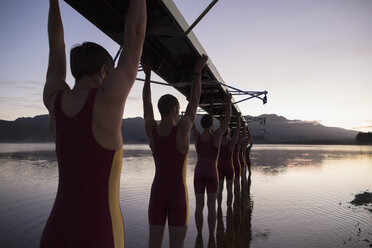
x=168, y=49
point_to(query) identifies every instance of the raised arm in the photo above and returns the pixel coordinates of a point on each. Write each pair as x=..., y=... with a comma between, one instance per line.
x=135, y=27
x=187, y=121
x=56, y=73
x=148, y=113
x=225, y=123
x=117, y=84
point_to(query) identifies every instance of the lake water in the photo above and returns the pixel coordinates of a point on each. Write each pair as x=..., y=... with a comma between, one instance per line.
x=299, y=197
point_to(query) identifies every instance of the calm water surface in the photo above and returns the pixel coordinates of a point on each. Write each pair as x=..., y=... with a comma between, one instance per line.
x=299, y=197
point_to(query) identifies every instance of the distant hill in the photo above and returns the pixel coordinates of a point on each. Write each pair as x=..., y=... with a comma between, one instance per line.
x=26, y=130
x=277, y=130
x=133, y=130
x=364, y=138
x=36, y=129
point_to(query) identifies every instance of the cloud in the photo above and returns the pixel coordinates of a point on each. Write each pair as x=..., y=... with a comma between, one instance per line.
x=362, y=127
x=26, y=102
x=134, y=98
x=22, y=84
x=314, y=122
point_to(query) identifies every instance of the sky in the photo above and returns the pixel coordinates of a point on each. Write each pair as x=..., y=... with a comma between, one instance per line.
x=314, y=57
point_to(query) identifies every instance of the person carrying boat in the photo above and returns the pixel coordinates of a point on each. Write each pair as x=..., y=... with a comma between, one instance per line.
x=169, y=142
x=225, y=164
x=248, y=152
x=207, y=146
x=86, y=211
x=237, y=164
x=243, y=165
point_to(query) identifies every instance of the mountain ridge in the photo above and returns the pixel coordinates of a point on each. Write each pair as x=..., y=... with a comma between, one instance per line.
x=277, y=129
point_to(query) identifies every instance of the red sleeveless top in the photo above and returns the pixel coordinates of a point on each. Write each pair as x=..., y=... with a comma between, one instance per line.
x=207, y=152
x=86, y=211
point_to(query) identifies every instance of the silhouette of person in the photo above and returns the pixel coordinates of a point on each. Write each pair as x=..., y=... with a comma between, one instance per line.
x=169, y=142
x=248, y=152
x=207, y=146
x=237, y=163
x=86, y=211
x=225, y=164
x=238, y=232
x=243, y=163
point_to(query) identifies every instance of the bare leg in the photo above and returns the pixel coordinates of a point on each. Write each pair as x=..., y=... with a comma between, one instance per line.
x=211, y=202
x=177, y=236
x=220, y=189
x=156, y=236
x=229, y=192
x=199, y=212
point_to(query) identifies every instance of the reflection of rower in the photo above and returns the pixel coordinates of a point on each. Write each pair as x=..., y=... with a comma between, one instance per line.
x=220, y=231
x=236, y=219
x=229, y=226
x=225, y=237
x=247, y=208
x=242, y=216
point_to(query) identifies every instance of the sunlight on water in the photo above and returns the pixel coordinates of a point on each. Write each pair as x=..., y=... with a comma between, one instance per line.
x=299, y=197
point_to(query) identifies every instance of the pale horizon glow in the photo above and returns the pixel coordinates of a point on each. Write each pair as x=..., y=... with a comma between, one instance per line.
x=313, y=57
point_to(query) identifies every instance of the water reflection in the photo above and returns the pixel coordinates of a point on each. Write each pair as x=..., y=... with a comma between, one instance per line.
x=30, y=156
x=276, y=159
x=276, y=162
x=238, y=230
x=199, y=243
x=298, y=207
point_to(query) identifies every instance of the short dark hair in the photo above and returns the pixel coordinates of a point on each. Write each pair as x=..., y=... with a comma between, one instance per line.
x=206, y=121
x=87, y=58
x=166, y=103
